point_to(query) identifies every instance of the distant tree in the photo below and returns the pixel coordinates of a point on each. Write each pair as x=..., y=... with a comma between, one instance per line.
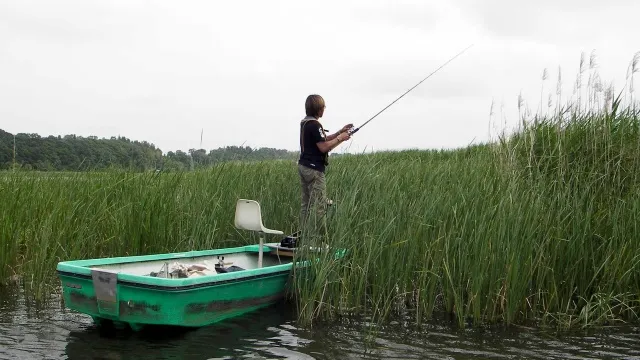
x=77, y=153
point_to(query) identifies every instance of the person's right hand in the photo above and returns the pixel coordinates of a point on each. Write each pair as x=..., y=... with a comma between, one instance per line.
x=344, y=136
x=346, y=128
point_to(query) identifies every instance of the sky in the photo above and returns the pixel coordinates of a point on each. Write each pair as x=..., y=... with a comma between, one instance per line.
x=238, y=72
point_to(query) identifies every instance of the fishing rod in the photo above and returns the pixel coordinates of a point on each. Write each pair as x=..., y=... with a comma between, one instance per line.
x=354, y=130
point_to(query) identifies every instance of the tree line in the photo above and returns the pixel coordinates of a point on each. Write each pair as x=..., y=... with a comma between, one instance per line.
x=76, y=153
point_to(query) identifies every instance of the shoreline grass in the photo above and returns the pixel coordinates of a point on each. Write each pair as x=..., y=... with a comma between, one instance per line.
x=537, y=227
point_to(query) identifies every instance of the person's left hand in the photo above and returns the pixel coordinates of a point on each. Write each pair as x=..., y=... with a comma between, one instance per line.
x=346, y=128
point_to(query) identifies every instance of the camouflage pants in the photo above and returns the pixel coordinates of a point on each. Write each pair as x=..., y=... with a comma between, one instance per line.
x=314, y=202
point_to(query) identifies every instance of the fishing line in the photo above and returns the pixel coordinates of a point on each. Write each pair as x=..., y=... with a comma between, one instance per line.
x=354, y=130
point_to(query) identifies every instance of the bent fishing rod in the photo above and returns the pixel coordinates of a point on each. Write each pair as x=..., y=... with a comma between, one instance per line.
x=354, y=130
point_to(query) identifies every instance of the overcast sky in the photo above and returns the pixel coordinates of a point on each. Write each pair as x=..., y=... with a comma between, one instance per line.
x=239, y=70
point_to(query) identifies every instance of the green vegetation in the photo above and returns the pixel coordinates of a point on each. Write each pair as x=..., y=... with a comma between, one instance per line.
x=77, y=153
x=484, y=236
x=539, y=226
x=49, y=217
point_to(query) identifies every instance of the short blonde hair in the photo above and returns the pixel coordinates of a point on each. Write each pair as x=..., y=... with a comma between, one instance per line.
x=314, y=105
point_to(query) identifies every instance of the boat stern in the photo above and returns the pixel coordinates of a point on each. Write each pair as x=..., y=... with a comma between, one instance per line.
x=90, y=291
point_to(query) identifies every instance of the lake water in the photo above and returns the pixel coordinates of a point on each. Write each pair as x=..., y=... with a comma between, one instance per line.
x=53, y=332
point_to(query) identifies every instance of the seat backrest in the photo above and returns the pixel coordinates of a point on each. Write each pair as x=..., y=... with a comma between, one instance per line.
x=248, y=215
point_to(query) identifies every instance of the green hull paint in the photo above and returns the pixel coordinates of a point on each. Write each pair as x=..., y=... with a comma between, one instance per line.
x=139, y=300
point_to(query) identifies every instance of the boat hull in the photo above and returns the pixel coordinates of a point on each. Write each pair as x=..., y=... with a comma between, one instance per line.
x=93, y=288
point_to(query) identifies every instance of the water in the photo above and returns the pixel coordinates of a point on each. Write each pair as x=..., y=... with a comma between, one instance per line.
x=52, y=332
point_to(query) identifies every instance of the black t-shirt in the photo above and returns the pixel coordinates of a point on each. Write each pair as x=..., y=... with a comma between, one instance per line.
x=312, y=133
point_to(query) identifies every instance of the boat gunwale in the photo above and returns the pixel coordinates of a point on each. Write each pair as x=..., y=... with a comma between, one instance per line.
x=82, y=269
x=213, y=280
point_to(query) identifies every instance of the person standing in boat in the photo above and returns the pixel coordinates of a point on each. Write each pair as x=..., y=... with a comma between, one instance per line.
x=315, y=146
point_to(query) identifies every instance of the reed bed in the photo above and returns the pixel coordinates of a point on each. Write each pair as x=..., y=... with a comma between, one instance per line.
x=47, y=218
x=492, y=234
x=537, y=227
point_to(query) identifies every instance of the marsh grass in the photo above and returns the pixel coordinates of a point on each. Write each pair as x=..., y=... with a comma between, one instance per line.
x=539, y=226
x=47, y=218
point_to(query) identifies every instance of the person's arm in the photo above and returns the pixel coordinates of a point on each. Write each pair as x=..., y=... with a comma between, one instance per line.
x=333, y=136
x=328, y=143
x=326, y=146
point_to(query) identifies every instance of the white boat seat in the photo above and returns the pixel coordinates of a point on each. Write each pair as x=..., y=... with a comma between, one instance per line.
x=249, y=217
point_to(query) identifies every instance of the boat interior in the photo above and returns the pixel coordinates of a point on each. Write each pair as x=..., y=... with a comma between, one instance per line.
x=182, y=267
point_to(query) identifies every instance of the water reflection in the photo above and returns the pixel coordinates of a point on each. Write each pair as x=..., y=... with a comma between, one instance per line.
x=268, y=333
x=51, y=332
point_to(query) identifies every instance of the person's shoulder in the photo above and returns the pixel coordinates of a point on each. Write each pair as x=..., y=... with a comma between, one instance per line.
x=311, y=124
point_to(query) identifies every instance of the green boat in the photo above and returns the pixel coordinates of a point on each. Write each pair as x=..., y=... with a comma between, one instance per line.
x=191, y=289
